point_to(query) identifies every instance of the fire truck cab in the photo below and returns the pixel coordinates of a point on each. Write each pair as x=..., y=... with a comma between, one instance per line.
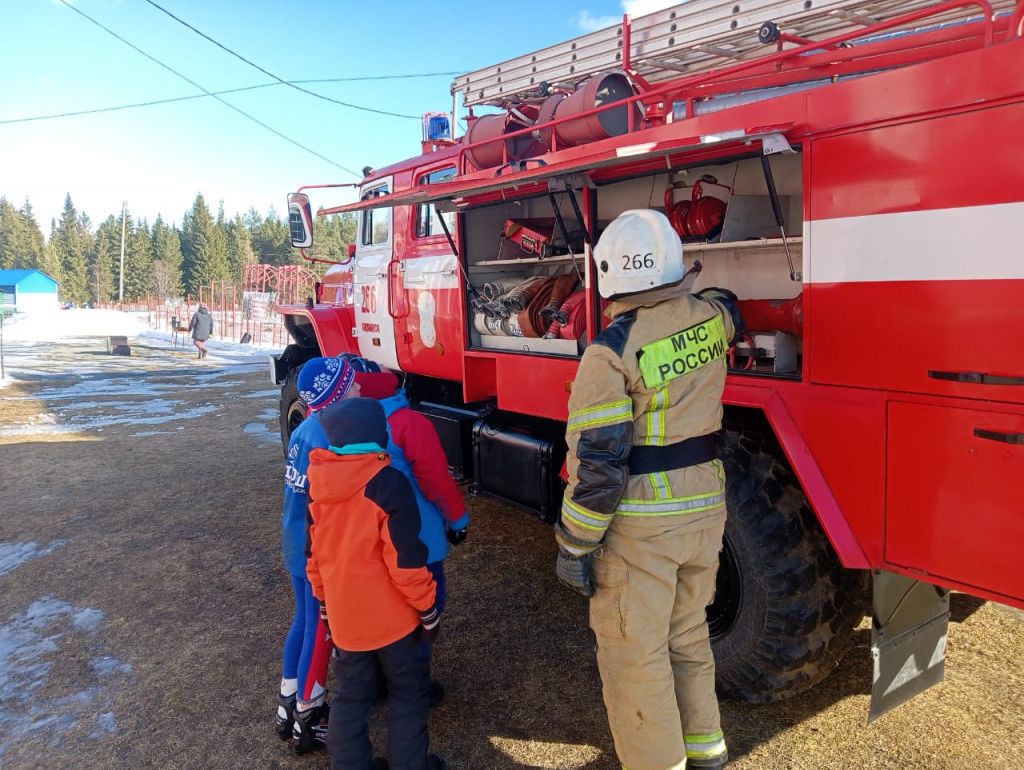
x=853, y=173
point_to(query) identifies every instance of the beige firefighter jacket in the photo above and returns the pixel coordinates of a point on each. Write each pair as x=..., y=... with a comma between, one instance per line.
x=654, y=377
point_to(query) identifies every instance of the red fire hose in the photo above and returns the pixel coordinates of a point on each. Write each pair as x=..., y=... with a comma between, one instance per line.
x=784, y=315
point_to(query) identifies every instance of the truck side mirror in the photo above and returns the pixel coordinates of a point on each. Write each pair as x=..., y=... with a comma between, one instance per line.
x=300, y=220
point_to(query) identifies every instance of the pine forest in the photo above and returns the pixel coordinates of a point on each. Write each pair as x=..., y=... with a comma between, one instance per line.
x=161, y=259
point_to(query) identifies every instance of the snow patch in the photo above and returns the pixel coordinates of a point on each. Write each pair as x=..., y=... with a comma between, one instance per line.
x=106, y=665
x=219, y=350
x=88, y=619
x=46, y=425
x=56, y=325
x=13, y=555
x=106, y=724
x=272, y=393
x=29, y=645
x=260, y=430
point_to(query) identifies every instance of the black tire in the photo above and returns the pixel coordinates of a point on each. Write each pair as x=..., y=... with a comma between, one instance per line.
x=785, y=610
x=293, y=408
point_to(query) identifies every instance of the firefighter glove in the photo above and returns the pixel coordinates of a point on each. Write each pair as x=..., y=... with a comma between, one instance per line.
x=575, y=571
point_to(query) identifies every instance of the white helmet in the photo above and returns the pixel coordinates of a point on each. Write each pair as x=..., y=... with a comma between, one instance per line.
x=638, y=251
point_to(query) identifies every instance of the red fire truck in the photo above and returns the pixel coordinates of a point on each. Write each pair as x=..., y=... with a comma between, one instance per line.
x=853, y=171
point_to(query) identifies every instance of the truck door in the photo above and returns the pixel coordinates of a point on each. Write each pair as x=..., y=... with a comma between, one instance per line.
x=429, y=314
x=375, y=327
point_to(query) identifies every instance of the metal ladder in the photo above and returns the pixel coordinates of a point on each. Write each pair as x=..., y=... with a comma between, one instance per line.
x=689, y=38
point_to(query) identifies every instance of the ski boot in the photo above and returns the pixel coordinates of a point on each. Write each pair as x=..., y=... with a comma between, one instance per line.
x=285, y=716
x=309, y=732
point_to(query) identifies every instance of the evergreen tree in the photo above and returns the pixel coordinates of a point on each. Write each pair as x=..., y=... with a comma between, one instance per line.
x=105, y=261
x=205, y=253
x=167, y=260
x=21, y=240
x=222, y=261
x=33, y=245
x=240, y=251
x=138, y=261
x=73, y=242
x=253, y=219
x=51, y=259
x=332, y=236
x=272, y=241
x=10, y=226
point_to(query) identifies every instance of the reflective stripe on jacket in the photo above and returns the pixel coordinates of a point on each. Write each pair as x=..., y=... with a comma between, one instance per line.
x=654, y=377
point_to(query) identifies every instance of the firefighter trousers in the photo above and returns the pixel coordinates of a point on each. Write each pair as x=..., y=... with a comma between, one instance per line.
x=654, y=577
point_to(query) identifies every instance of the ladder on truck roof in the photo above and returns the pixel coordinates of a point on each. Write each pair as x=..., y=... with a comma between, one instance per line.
x=694, y=37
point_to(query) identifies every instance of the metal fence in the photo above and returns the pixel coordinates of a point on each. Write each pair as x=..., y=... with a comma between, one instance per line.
x=240, y=314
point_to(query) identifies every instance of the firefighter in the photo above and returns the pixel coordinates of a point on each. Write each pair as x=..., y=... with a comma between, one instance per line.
x=643, y=514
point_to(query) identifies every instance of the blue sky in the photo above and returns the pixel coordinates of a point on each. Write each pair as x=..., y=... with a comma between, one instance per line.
x=158, y=157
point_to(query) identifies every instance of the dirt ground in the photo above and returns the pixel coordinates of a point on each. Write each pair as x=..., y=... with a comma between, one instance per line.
x=143, y=604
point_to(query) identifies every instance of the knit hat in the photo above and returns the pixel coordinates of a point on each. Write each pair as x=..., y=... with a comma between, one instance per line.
x=355, y=426
x=322, y=381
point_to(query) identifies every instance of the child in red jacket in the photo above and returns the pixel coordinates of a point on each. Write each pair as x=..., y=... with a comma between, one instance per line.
x=368, y=568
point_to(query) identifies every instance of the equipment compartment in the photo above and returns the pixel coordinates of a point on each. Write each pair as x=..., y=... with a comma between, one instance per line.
x=726, y=220
x=527, y=279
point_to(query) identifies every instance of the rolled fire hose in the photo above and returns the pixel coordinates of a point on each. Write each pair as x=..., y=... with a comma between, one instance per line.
x=531, y=319
x=519, y=297
x=563, y=287
x=526, y=309
x=574, y=309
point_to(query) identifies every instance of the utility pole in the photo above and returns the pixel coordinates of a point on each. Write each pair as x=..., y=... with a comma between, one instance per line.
x=120, y=279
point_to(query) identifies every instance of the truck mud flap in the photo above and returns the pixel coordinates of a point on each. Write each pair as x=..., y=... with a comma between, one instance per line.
x=909, y=626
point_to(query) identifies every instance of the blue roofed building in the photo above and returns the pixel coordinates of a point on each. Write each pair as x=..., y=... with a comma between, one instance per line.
x=27, y=291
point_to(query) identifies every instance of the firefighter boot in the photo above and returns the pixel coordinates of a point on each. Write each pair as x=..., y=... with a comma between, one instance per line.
x=309, y=732
x=707, y=763
x=285, y=716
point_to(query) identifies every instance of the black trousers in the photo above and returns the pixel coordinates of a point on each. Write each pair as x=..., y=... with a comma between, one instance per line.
x=406, y=673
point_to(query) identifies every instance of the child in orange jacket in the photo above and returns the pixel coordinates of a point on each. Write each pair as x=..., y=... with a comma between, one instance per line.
x=367, y=567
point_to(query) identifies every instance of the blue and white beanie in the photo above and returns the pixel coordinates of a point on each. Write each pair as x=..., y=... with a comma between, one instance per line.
x=323, y=381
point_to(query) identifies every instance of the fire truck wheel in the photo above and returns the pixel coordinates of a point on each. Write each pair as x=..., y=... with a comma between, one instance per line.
x=785, y=610
x=293, y=408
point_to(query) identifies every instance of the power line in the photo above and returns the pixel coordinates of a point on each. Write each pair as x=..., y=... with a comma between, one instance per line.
x=270, y=74
x=241, y=89
x=210, y=93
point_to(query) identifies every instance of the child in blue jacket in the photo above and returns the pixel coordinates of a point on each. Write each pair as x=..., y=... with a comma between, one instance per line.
x=302, y=711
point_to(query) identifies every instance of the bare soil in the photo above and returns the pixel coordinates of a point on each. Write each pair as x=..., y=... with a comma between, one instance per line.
x=174, y=538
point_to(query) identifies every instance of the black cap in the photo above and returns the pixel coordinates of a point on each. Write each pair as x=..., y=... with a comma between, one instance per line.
x=355, y=421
